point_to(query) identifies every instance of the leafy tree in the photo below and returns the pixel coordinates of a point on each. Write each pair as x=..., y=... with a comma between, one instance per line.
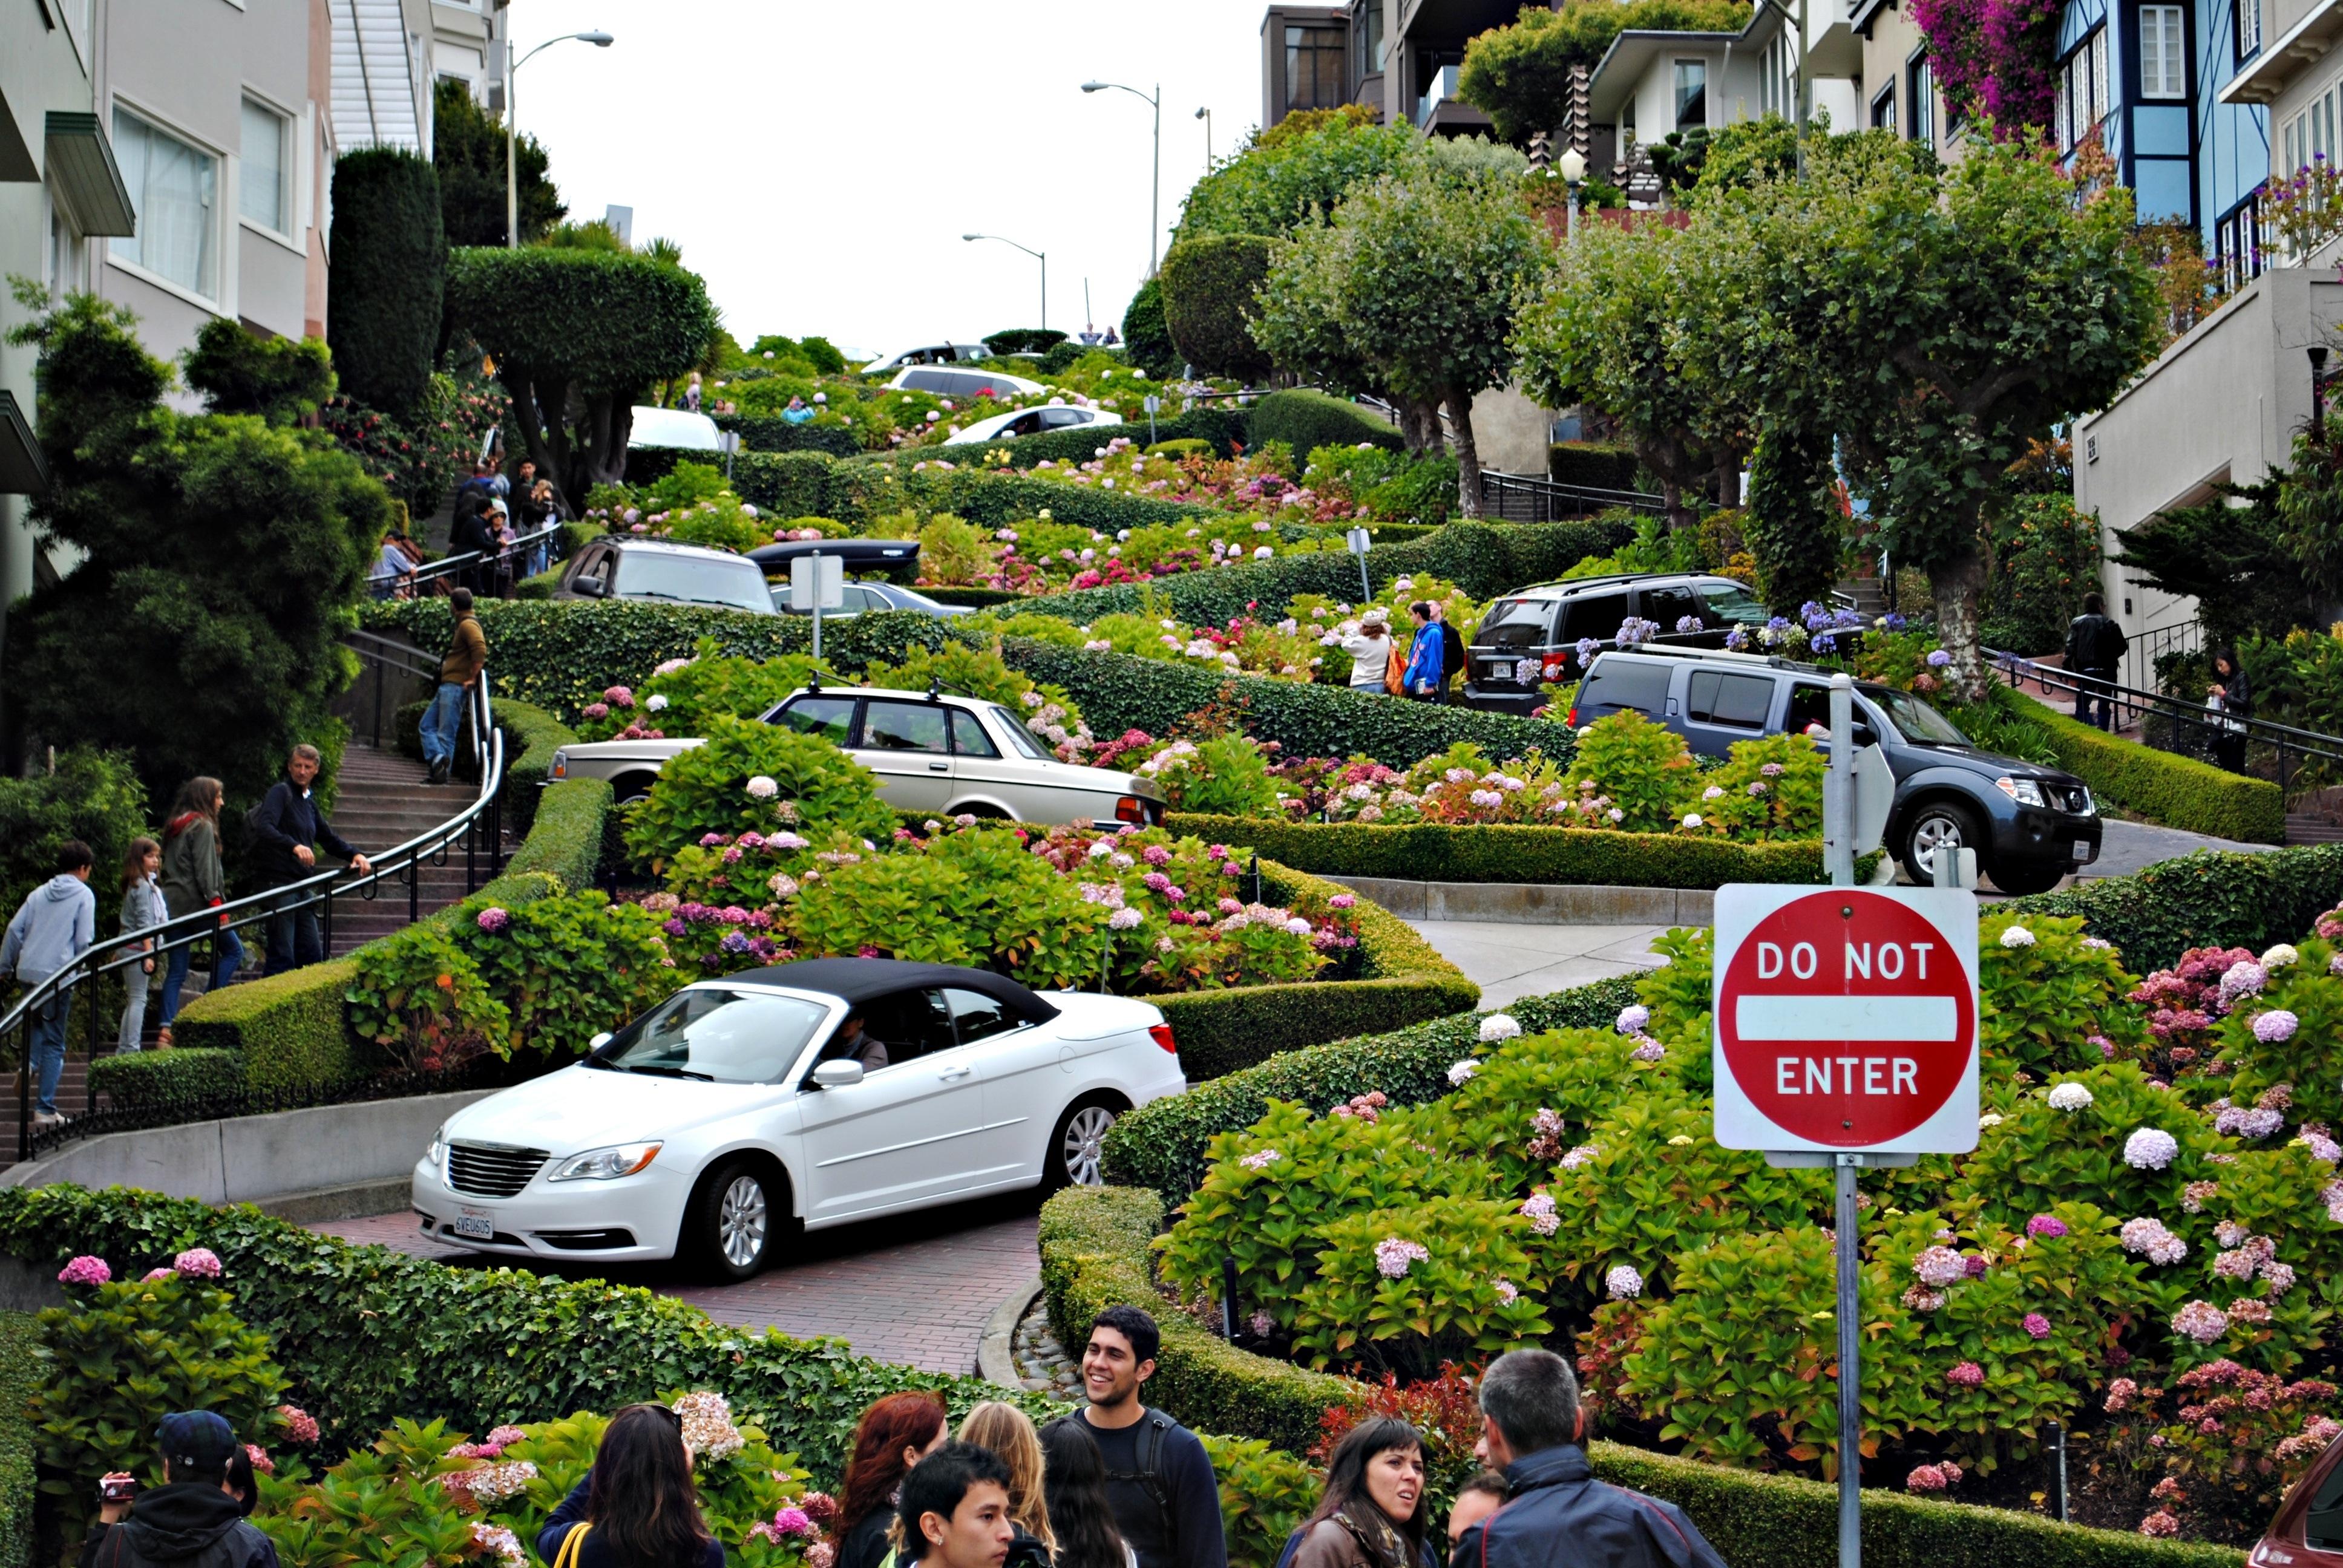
x=1278, y=183
x=823, y=354
x=1519, y=76
x=1749, y=151
x=222, y=557
x=1940, y=324
x=1210, y=283
x=1416, y=280
x=1145, y=338
x=579, y=338
x=388, y=277
x=282, y=381
x=2229, y=554
x=468, y=148
x=1795, y=519
x=2310, y=508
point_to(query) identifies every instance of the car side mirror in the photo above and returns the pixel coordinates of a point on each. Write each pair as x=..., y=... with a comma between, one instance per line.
x=600, y=1040
x=590, y=587
x=841, y=1074
x=1864, y=735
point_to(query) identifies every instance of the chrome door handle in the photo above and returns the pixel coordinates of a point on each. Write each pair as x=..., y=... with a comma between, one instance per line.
x=938, y=767
x=956, y=1072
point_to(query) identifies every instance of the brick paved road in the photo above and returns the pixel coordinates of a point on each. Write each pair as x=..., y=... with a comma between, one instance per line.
x=916, y=1289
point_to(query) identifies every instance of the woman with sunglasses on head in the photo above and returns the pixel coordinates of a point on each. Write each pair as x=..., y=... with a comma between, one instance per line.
x=637, y=1508
x=894, y=1434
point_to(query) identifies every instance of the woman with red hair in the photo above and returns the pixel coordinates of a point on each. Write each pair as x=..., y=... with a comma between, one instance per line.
x=894, y=1434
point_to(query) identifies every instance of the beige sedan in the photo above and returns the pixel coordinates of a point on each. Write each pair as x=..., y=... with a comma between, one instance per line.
x=947, y=754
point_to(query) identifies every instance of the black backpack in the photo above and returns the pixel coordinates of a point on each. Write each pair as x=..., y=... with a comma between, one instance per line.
x=1149, y=1474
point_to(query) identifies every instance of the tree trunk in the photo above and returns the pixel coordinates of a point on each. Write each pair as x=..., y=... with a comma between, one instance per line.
x=548, y=446
x=1959, y=586
x=1728, y=480
x=1468, y=458
x=1411, y=427
x=1435, y=440
x=1672, y=502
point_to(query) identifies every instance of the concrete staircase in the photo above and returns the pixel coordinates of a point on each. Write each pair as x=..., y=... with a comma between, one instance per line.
x=1870, y=596
x=381, y=802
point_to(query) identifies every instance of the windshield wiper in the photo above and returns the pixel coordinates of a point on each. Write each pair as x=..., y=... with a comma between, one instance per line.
x=657, y=1071
x=681, y=599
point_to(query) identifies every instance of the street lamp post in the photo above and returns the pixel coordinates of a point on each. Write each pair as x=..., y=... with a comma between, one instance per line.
x=1573, y=167
x=1155, y=192
x=1039, y=256
x=1206, y=116
x=600, y=40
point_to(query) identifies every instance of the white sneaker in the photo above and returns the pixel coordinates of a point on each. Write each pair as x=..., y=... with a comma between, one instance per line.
x=47, y=1118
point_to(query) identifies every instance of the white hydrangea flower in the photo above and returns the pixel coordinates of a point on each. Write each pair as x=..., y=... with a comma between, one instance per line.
x=1498, y=1026
x=2069, y=1097
x=2017, y=936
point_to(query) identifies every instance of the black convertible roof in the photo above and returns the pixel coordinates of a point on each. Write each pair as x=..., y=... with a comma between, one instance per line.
x=858, y=980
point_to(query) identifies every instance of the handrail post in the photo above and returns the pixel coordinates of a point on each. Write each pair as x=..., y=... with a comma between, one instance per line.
x=89, y=1073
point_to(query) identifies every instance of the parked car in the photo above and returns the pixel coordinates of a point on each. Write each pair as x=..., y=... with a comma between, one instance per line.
x=858, y=555
x=618, y=565
x=2309, y=1530
x=2029, y=826
x=674, y=427
x=939, y=752
x=873, y=598
x=1032, y=422
x=926, y=354
x=1531, y=637
x=743, y=1108
x=967, y=383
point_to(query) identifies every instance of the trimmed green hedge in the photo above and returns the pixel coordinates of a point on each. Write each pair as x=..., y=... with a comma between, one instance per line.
x=2177, y=791
x=286, y=1029
x=369, y=1335
x=19, y=1446
x=1307, y=420
x=771, y=433
x=565, y=839
x=1437, y=852
x=1161, y=1145
x=531, y=736
x=1404, y=981
x=145, y=1077
x=1094, y=1255
x=2209, y=899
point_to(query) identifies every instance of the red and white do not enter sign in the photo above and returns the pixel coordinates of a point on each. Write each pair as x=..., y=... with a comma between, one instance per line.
x=1846, y=1019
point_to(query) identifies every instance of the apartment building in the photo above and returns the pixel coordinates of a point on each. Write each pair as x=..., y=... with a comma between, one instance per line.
x=1400, y=57
x=468, y=39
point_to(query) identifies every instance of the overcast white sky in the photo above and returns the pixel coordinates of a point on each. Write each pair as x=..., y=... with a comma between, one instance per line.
x=818, y=161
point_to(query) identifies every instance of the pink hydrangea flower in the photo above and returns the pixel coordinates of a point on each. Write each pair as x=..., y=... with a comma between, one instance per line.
x=1539, y=1206
x=1940, y=1266
x=300, y=1424
x=595, y=710
x=1925, y=1478
x=1395, y=1255
x=2201, y=1320
x=493, y=919
x=1968, y=1375
x=619, y=696
x=2122, y=1395
x=261, y=1463
x=2048, y=1226
x=2036, y=1325
x=85, y=1270
x=2271, y=1028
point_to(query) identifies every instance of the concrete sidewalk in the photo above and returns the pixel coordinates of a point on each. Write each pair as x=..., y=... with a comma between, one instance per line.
x=1512, y=961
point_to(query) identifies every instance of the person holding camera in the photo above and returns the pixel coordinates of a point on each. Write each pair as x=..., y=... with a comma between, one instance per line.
x=194, y=1518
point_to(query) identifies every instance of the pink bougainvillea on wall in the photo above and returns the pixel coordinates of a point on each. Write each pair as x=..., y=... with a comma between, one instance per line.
x=1995, y=59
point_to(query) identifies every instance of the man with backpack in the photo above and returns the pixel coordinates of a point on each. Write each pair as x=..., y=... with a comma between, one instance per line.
x=192, y=1521
x=2095, y=650
x=1166, y=1500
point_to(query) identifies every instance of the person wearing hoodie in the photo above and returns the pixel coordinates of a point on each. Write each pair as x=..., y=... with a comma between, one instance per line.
x=194, y=879
x=193, y=1519
x=56, y=925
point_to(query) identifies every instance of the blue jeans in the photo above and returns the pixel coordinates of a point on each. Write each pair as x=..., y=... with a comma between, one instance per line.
x=227, y=957
x=440, y=724
x=47, y=1052
x=294, y=941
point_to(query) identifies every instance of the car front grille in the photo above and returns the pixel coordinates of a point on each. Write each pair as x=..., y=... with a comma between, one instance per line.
x=484, y=1171
x=2073, y=799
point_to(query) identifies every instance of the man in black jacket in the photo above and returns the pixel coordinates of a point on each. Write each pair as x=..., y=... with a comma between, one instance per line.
x=193, y=1519
x=2095, y=650
x=1451, y=646
x=1159, y=1481
x=285, y=825
x=1560, y=1516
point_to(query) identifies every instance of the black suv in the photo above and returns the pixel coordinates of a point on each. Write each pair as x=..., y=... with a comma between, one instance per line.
x=1531, y=637
x=2030, y=825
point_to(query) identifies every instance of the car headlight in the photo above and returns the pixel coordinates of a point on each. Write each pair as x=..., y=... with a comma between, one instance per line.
x=2025, y=791
x=605, y=1164
x=437, y=1155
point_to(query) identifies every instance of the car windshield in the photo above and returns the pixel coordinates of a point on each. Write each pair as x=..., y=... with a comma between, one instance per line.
x=1019, y=738
x=718, y=1035
x=1914, y=719
x=1730, y=604
x=692, y=579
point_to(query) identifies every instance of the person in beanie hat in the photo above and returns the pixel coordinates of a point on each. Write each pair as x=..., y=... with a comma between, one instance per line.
x=193, y=1519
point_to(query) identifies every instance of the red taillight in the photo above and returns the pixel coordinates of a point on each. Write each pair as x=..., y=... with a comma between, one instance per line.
x=1572, y=719
x=1163, y=1033
x=1130, y=809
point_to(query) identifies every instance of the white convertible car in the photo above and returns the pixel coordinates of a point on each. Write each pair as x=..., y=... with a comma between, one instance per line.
x=811, y=1093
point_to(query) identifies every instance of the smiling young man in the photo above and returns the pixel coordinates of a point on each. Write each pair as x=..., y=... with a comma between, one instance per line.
x=1159, y=1483
x=954, y=1509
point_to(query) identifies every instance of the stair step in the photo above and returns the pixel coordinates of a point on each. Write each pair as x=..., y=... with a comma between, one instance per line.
x=2303, y=828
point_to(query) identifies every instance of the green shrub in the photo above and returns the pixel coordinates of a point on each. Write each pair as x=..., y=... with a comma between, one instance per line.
x=1453, y=1299
x=771, y=433
x=505, y=1346
x=1209, y=285
x=565, y=833
x=20, y=1378
x=1181, y=447
x=1145, y=338
x=417, y=997
x=1163, y=1145
x=285, y=1028
x=388, y=268
x=569, y=966
x=2202, y=900
x=531, y=736
x=814, y=787
x=1265, y=1494
x=93, y=796
x=2177, y=791
x=1305, y=420
x=1592, y=465
x=281, y=380
x=149, y=1078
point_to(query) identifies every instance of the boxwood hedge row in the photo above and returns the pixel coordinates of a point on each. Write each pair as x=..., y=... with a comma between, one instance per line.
x=771, y=433
x=1439, y=852
x=2210, y=899
x=2177, y=791
x=20, y=1372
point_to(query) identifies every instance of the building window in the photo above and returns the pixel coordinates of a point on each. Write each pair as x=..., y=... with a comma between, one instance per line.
x=1920, y=91
x=2250, y=28
x=2163, y=52
x=1691, y=93
x=263, y=183
x=1370, y=30
x=2082, y=98
x=1882, y=110
x=1313, y=68
x=175, y=193
x=2310, y=136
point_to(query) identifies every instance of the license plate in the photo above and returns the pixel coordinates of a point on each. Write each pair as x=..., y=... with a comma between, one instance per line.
x=2082, y=849
x=1525, y=670
x=476, y=1224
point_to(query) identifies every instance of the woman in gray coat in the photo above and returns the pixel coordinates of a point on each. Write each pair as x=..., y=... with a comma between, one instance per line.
x=195, y=879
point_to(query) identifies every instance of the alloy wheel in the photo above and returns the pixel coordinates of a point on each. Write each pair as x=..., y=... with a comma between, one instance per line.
x=1934, y=832
x=740, y=1221
x=1086, y=1132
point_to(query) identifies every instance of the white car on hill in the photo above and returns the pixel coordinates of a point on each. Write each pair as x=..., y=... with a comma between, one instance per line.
x=1032, y=422
x=806, y=1094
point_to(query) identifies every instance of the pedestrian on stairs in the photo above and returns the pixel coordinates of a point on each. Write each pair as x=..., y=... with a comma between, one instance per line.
x=284, y=827
x=55, y=926
x=194, y=879
x=2095, y=649
x=468, y=655
x=143, y=909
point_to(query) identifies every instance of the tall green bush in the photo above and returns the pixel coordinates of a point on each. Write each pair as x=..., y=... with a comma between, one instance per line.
x=93, y=796
x=279, y=379
x=1793, y=522
x=389, y=264
x=1209, y=285
x=467, y=150
x=1145, y=338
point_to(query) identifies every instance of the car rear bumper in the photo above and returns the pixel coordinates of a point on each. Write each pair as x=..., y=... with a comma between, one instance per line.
x=1506, y=698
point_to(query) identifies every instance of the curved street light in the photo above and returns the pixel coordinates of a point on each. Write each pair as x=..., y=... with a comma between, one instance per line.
x=1155, y=192
x=600, y=40
x=1042, y=256
x=1206, y=116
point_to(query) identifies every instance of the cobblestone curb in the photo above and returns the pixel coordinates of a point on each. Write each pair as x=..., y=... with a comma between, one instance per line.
x=996, y=1357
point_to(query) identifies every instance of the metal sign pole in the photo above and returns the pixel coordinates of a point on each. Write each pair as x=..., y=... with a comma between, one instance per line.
x=1839, y=824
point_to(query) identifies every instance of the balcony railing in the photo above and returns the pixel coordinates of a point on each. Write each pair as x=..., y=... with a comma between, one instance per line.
x=1442, y=88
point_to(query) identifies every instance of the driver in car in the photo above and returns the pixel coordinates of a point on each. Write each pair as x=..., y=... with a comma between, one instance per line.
x=856, y=1043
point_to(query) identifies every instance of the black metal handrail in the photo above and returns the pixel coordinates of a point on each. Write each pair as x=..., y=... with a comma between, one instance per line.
x=1526, y=498
x=479, y=824
x=429, y=571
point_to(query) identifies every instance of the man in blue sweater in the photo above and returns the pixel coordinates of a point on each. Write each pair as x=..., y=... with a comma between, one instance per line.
x=56, y=925
x=285, y=831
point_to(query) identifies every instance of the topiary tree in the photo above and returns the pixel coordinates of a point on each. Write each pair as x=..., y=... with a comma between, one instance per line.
x=1209, y=283
x=1795, y=520
x=579, y=338
x=282, y=381
x=1281, y=180
x=1145, y=338
x=468, y=149
x=388, y=273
